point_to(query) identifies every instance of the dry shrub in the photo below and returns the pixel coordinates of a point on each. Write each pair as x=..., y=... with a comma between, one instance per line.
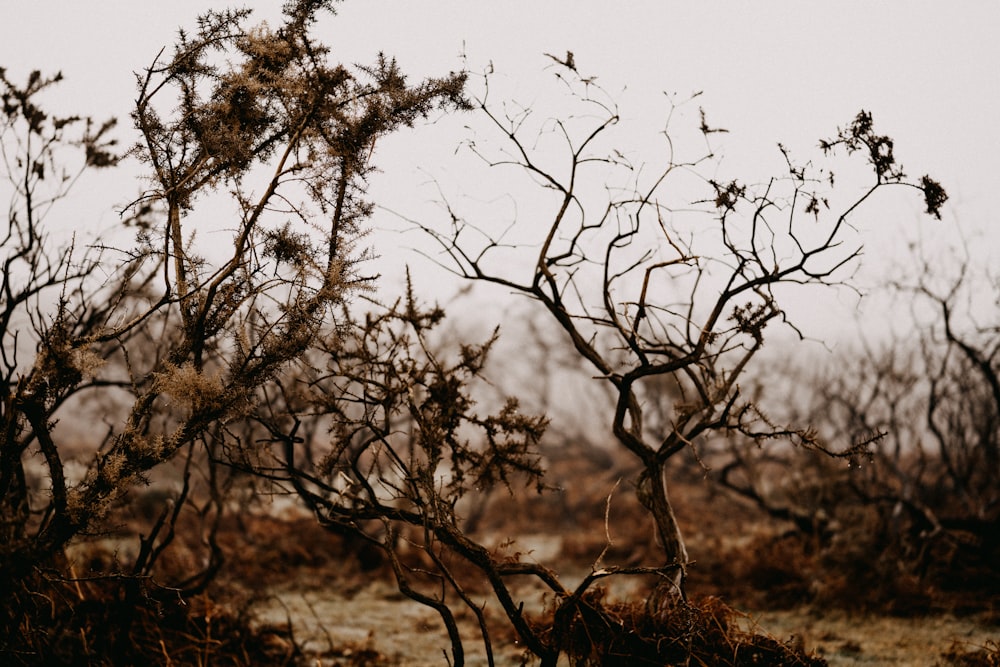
x=857, y=554
x=790, y=570
x=960, y=655
x=862, y=558
x=120, y=620
x=100, y=614
x=255, y=547
x=274, y=549
x=962, y=564
x=766, y=572
x=867, y=563
x=861, y=567
x=608, y=633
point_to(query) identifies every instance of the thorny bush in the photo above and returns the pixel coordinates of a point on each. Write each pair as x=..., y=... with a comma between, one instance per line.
x=258, y=121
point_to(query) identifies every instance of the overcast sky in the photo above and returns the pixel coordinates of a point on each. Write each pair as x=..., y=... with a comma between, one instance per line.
x=770, y=71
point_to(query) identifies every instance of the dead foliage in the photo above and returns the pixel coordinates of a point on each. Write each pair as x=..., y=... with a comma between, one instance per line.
x=279, y=549
x=122, y=620
x=594, y=630
x=962, y=655
x=861, y=563
x=125, y=620
x=90, y=608
x=860, y=559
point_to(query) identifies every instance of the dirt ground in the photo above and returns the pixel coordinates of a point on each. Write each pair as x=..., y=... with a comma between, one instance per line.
x=406, y=633
x=343, y=612
x=335, y=622
x=375, y=617
x=845, y=640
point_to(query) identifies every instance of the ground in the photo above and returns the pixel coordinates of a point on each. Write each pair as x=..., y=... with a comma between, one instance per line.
x=343, y=607
x=405, y=633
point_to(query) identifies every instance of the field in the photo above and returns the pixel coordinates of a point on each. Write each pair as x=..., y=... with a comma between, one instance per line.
x=315, y=597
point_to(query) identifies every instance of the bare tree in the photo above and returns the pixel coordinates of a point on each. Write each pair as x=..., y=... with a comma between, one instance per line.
x=962, y=361
x=921, y=504
x=645, y=289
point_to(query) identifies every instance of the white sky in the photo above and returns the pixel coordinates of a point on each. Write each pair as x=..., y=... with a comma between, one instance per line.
x=770, y=71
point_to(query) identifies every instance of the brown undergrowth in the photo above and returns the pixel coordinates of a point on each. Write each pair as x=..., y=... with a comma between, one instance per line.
x=91, y=608
x=599, y=631
x=98, y=615
x=754, y=561
x=121, y=621
x=960, y=655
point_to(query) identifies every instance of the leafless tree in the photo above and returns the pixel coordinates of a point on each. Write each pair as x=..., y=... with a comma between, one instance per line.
x=648, y=284
x=922, y=501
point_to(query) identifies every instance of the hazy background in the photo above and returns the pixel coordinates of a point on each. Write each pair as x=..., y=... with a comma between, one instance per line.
x=776, y=71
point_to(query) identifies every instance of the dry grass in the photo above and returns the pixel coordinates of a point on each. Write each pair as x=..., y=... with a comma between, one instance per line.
x=117, y=620
x=738, y=557
x=611, y=634
x=960, y=655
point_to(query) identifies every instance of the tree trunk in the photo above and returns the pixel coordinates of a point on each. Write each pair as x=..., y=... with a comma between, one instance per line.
x=651, y=489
